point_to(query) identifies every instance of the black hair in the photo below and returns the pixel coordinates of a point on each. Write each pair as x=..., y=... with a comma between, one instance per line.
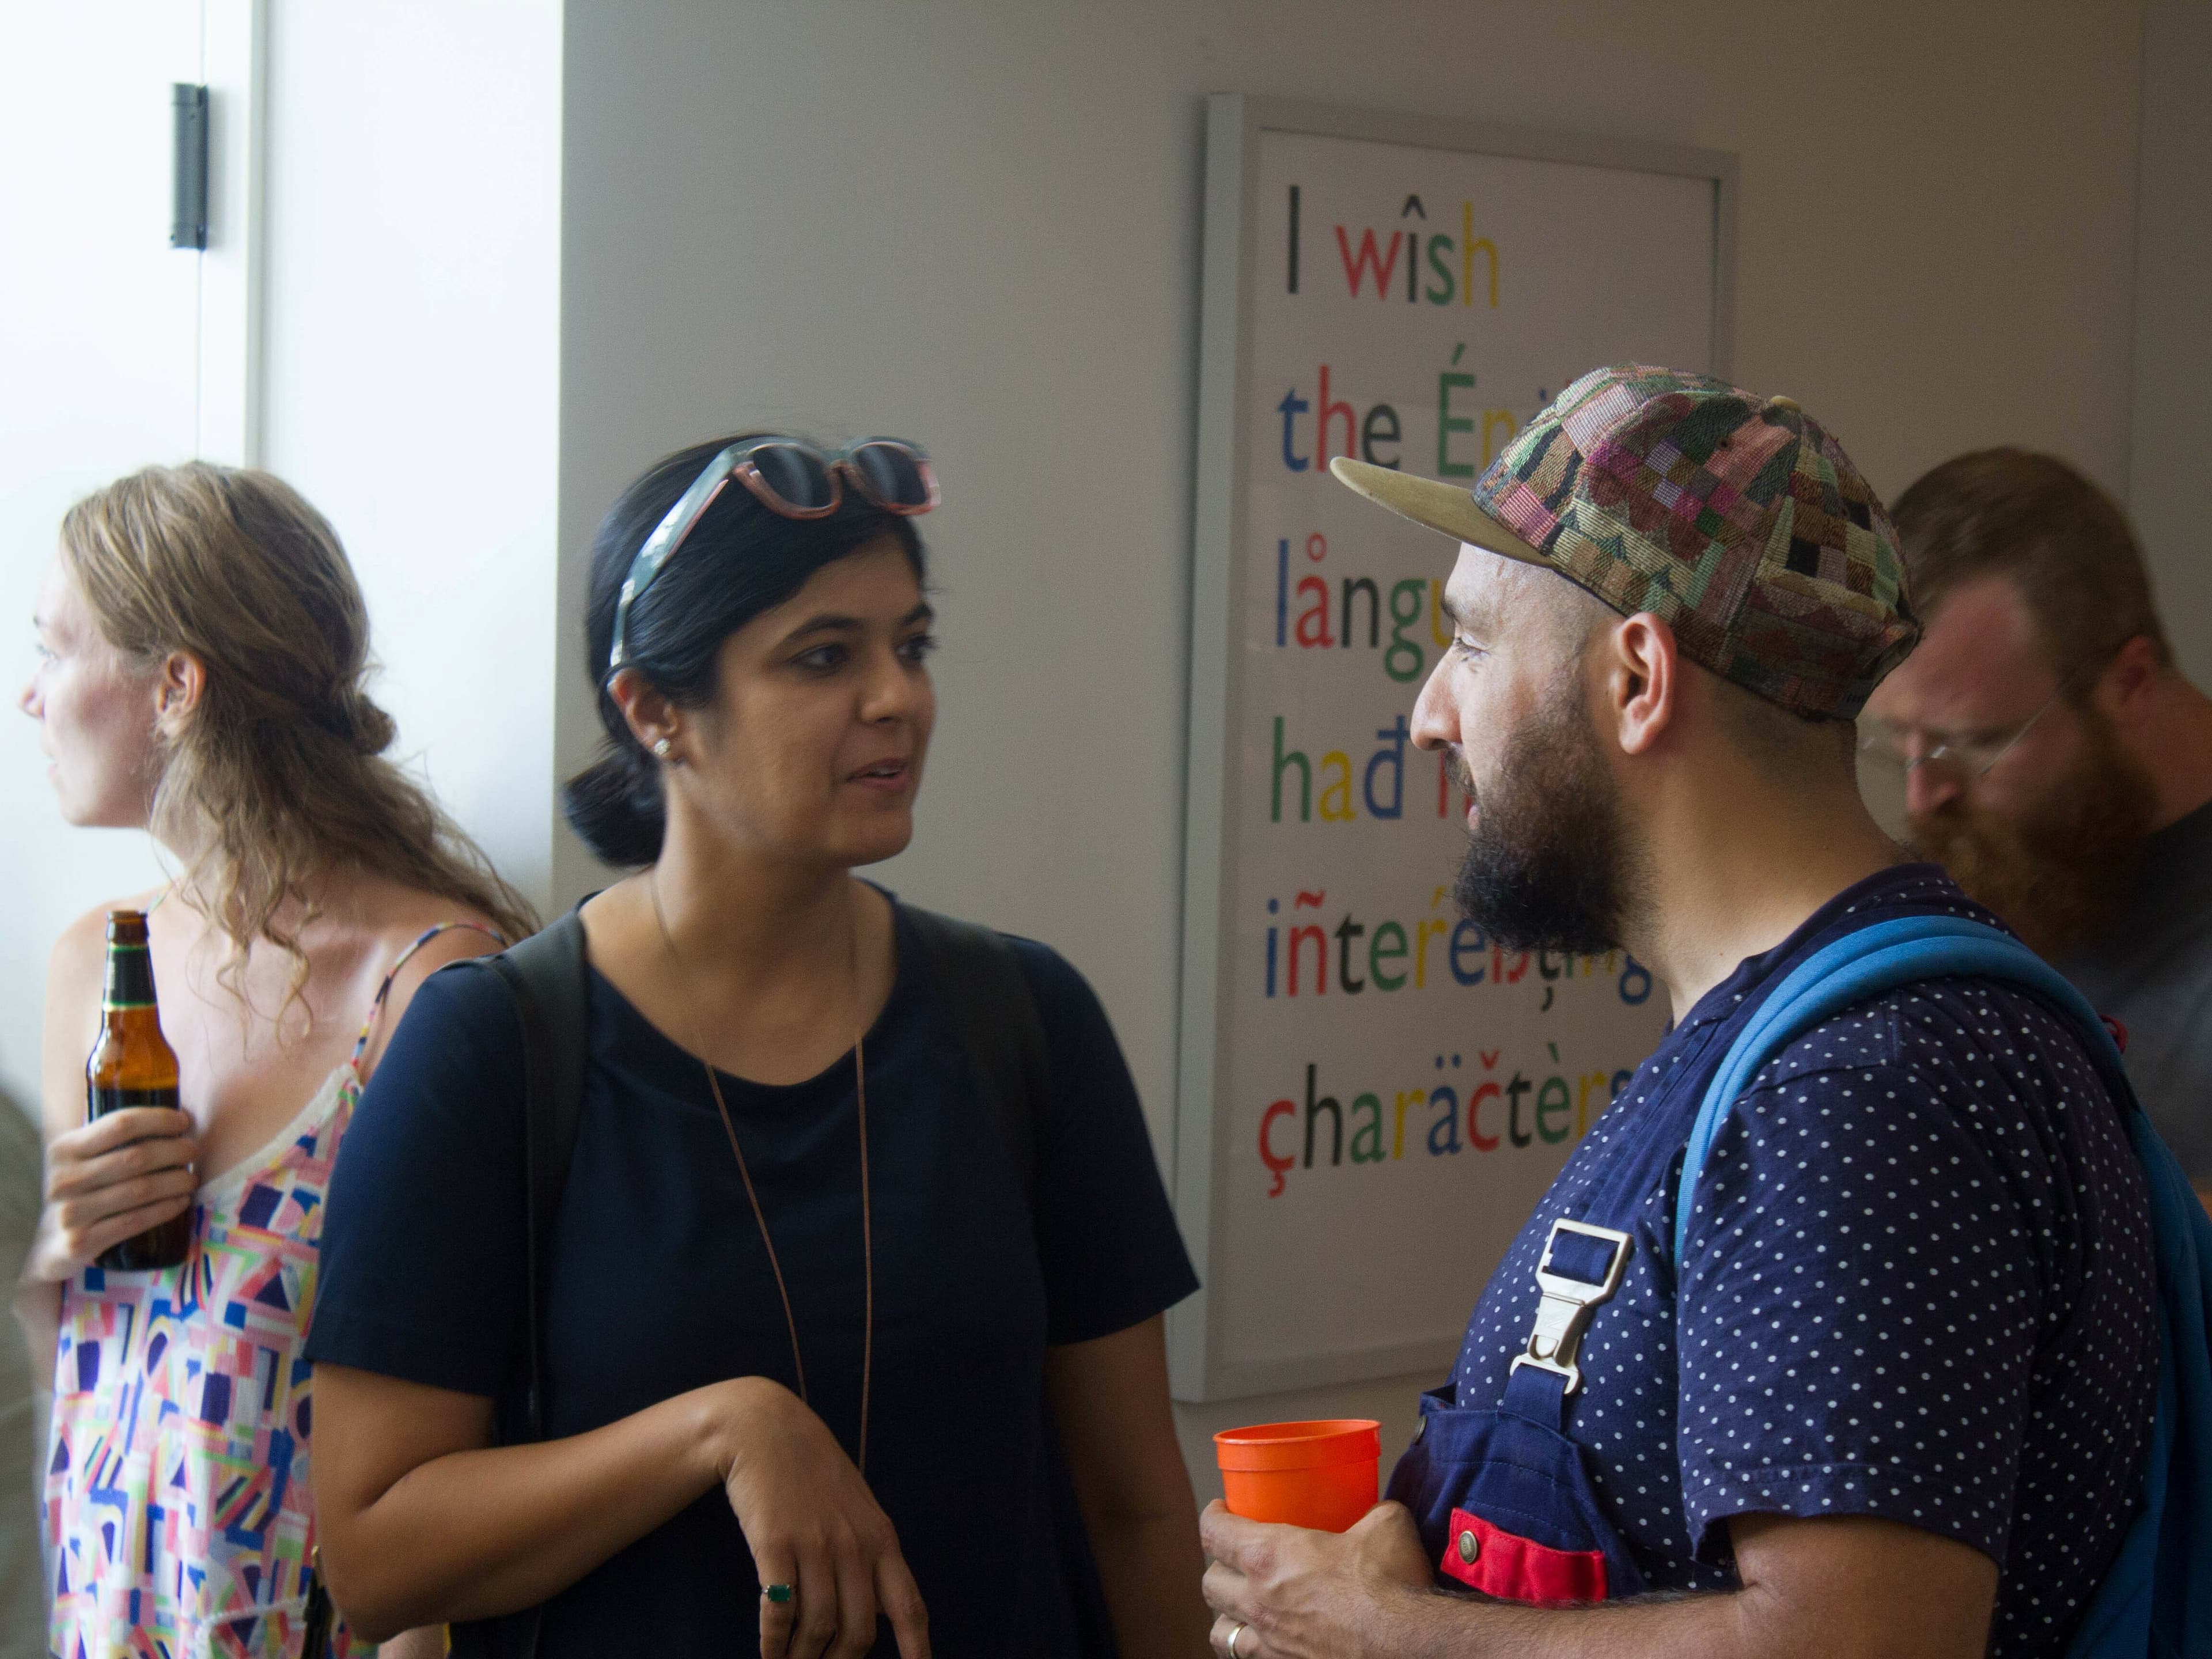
x=739, y=560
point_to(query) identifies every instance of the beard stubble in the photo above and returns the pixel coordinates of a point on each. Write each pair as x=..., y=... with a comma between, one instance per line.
x=1546, y=861
x=2060, y=873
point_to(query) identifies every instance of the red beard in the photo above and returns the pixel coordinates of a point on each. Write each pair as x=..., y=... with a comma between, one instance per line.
x=2059, y=873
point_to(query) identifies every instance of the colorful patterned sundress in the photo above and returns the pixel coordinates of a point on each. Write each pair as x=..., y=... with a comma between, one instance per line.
x=176, y=1493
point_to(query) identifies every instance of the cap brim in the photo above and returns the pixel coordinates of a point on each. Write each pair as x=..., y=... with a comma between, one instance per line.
x=1443, y=507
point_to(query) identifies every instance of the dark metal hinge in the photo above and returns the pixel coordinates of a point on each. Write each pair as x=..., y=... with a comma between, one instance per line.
x=188, y=225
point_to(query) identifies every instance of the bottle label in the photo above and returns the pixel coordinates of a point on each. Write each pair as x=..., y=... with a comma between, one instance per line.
x=129, y=978
x=104, y=1099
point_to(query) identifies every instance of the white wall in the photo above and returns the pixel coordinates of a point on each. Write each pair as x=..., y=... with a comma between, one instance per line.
x=411, y=341
x=2170, y=481
x=976, y=222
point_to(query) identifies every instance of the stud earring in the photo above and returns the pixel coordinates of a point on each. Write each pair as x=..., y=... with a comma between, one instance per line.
x=660, y=747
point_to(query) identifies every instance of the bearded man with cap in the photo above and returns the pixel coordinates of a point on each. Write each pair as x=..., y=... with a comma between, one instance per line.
x=1893, y=1396
x=2056, y=761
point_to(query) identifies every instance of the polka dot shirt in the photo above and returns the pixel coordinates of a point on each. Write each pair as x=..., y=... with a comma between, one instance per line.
x=1919, y=1287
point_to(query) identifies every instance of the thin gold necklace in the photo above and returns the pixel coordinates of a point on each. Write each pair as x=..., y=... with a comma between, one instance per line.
x=760, y=1218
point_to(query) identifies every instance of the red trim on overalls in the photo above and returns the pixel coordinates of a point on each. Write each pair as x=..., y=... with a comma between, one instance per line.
x=1514, y=1569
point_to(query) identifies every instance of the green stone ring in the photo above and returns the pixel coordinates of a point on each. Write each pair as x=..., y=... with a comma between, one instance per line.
x=778, y=1594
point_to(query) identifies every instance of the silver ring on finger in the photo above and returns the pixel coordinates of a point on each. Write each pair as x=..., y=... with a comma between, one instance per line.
x=1236, y=1636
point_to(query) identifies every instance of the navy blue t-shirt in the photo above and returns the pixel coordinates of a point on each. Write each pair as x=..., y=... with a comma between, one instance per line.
x=659, y=1283
x=1921, y=1288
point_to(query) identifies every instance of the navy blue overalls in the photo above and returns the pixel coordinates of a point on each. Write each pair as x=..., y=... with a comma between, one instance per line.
x=1505, y=1499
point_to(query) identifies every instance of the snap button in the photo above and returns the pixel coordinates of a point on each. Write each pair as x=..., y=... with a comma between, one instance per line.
x=1420, y=1430
x=1469, y=1545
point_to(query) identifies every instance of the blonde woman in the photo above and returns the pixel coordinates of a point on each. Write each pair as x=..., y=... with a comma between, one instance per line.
x=202, y=649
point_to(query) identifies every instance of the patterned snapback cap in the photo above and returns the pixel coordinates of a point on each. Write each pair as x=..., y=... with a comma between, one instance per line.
x=1736, y=520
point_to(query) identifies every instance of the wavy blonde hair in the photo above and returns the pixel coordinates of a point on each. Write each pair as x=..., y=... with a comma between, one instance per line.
x=278, y=774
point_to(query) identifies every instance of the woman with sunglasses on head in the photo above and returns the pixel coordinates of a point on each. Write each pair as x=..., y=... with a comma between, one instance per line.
x=815, y=1352
x=203, y=651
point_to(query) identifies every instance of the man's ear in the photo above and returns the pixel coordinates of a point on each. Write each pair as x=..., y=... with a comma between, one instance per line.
x=1642, y=679
x=179, y=685
x=2123, y=692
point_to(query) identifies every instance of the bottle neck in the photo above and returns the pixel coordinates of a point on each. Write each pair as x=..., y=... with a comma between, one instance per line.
x=130, y=980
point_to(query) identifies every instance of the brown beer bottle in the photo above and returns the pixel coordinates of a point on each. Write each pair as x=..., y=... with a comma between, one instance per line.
x=133, y=1064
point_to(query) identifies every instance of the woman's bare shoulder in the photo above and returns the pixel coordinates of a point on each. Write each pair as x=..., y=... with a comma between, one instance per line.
x=430, y=931
x=80, y=947
x=397, y=915
x=407, y=918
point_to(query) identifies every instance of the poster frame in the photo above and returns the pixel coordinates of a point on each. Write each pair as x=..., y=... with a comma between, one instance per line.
x=1200, y=1368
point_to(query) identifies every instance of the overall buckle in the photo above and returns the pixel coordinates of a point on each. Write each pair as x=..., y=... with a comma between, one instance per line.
x=1563, y=1317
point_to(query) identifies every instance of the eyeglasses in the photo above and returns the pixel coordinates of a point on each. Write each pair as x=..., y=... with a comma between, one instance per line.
x=790, y=478
x=1976, y=756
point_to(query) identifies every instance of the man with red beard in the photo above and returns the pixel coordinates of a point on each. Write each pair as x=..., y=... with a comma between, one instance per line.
x=2056, y=762
x=1890, y=1393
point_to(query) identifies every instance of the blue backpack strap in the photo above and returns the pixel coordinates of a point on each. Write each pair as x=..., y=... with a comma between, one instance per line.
x=1855, y=968
x=2156, y=1599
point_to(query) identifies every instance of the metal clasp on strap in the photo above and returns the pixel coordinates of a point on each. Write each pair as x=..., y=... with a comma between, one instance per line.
x=1564, y=1314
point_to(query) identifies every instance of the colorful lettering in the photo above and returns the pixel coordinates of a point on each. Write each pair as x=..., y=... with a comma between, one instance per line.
x=1368, y=259
x=1338, y=791
x=1279, y=1164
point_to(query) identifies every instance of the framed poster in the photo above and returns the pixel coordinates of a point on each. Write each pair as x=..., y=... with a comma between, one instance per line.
x=1372, y=1094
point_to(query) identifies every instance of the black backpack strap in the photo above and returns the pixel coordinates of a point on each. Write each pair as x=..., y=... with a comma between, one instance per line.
x=546, y=976
x=995, y=1013
x=549, y=977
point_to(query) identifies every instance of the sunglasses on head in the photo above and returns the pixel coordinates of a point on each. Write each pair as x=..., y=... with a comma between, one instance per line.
x=792, y=479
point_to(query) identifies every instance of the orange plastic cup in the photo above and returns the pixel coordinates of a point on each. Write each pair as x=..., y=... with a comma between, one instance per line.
x=1323, y=1474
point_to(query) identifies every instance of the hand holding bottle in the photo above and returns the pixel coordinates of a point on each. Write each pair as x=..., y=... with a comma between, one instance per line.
x=120, y=1175
x=119, y=1190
